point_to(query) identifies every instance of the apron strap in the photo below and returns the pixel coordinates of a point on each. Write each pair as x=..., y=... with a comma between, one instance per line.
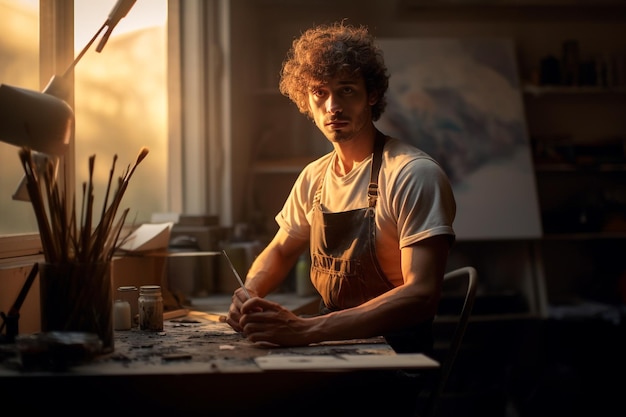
x=377, y=160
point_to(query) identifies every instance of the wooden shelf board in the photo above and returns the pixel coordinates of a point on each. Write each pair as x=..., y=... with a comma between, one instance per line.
x=282, y=166
x=540, y=90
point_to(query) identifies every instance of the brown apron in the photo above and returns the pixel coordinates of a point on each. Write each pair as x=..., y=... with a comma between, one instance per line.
x=344, y=267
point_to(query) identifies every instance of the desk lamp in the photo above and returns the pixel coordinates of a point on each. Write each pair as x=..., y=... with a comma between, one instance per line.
x=43, y=122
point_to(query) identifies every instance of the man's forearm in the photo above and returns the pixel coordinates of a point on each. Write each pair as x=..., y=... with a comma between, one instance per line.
x=267, y=272
x=392, y=311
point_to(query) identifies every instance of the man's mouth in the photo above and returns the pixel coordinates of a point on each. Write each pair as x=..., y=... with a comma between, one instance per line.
x=336, y=124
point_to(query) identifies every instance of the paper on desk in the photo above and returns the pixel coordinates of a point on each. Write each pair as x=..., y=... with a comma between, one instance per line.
x=148, y=237
x=348, y=361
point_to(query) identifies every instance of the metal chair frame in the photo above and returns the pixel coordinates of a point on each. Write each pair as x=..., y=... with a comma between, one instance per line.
x=432, y=402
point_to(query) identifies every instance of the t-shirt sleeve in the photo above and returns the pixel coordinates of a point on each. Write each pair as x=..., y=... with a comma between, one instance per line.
x=423, y=199
x=295, y=216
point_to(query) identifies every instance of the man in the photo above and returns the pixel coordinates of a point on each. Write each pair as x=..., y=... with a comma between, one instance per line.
x=375, y=212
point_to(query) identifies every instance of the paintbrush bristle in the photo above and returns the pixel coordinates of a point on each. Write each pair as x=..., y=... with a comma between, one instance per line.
x=63, y=238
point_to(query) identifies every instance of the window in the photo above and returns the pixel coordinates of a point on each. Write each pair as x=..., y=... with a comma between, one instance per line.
x=181, y=113
x=19, y=67
x=120, y=102
x=120, y=105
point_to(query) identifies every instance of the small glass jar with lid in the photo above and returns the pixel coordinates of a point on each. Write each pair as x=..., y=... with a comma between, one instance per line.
x=150, y=306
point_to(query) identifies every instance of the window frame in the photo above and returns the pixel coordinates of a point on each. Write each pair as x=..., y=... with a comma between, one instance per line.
x=199, y=171
x=56, y=39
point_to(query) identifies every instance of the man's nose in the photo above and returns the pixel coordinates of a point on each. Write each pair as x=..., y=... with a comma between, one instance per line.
x=332, y=105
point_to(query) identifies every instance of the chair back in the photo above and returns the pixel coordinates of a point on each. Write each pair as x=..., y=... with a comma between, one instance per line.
x=469, y=275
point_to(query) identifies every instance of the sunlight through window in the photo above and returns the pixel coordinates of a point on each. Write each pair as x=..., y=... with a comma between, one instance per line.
x=19, y=67
x=121, y=102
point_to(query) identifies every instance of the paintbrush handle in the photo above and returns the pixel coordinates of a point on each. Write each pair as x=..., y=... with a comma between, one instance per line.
x=236, y=274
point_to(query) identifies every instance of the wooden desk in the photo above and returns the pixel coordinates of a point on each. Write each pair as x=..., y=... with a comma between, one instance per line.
x=198, y=366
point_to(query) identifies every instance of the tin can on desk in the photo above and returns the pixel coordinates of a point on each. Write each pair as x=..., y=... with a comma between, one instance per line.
x=150, y=305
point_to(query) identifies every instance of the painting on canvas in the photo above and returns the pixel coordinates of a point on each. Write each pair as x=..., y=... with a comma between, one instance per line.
x=460, y=101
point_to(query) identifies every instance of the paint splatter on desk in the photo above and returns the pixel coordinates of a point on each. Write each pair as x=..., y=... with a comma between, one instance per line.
x=200, y=343
x=200, y=366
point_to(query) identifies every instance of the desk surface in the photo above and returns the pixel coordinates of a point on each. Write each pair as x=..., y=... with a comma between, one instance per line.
x=198, y=360
x=199, y=343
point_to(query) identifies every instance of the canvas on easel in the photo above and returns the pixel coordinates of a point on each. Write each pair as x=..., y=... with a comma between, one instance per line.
x=460, y=101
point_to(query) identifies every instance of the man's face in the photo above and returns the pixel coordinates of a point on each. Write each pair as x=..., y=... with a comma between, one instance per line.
x=341, y=107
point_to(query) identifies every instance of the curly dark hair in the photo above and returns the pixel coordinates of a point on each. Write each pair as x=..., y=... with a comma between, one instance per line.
x=328, y=50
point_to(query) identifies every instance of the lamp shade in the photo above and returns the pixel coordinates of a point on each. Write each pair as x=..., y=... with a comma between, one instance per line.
x=39, y=121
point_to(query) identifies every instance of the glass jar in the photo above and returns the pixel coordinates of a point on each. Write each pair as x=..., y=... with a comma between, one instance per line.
x=121, y=315
x=150, y=306
x=130, y=294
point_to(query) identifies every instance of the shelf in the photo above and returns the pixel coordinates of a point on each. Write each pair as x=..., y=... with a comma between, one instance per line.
x=282, y=166
x=268, y=92
x=568, y=167
x=584, y=236
x=538, y=10
x=537, y=91
x=485, y=318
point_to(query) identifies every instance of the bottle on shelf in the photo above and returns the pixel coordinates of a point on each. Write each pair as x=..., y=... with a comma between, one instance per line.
x=304, y=286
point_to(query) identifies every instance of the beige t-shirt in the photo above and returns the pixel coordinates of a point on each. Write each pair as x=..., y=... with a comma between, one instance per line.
x=415, y=200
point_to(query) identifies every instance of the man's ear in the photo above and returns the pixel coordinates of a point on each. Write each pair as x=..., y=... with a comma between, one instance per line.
x=372, y=99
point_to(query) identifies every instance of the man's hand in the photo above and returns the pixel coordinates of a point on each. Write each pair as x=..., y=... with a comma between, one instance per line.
x=266, y=322
x=234, y=311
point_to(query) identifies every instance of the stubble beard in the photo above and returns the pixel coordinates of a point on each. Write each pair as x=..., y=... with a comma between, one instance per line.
x=337, y=136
